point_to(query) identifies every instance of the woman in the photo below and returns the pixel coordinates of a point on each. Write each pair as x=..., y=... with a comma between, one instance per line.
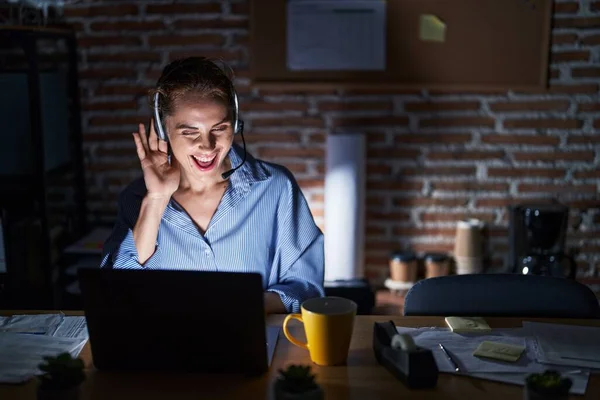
x=187, y=214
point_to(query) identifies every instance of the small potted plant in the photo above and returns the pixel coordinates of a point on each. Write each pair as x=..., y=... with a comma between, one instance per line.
x=548, y=385
x=61, y=379
x=297, y=383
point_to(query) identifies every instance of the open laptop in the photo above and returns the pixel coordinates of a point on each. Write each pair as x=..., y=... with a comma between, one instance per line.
x=176, y=320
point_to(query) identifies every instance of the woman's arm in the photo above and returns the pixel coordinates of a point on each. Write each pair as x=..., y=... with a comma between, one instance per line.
x=145, y=231
x=273, y=304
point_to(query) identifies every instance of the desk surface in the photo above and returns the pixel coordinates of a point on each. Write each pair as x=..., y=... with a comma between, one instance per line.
x=362, y=378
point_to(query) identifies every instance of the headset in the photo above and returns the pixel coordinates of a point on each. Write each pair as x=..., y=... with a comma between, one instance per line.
x=238, y=125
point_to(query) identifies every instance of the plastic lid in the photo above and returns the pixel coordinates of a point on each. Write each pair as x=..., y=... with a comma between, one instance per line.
x=436, y=257
x=403, y=255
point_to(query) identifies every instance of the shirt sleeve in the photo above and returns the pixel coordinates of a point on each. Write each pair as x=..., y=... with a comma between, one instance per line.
x=119, y=250
x=299, y=257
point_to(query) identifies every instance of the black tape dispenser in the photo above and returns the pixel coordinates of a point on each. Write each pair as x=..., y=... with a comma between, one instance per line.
x=413, y=365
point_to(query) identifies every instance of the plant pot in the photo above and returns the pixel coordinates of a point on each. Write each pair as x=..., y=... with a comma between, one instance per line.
x=73, y=393
x=529, y=393
x=315, y=394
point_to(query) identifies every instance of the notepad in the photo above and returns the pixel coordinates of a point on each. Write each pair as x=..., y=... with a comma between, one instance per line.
x=467, y=324
x=432, y=28
x=499, y=351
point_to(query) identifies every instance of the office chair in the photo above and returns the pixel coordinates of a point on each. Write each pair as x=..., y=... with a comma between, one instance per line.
x=501, y=295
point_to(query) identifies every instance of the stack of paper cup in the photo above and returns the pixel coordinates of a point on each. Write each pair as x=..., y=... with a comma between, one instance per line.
x=468, y=248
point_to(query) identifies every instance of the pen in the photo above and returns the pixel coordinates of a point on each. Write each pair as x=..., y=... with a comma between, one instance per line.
x=454, y=364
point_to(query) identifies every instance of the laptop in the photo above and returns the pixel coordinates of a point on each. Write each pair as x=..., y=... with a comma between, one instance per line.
x=165, y=320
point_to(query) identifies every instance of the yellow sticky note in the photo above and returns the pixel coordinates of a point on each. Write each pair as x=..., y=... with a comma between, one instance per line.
x=432, y=29
x=499, y=351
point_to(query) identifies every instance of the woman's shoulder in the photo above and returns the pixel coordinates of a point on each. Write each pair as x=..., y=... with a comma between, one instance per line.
x=279, y=175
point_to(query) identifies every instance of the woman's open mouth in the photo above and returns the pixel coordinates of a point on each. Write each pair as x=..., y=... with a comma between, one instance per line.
x=205, y=163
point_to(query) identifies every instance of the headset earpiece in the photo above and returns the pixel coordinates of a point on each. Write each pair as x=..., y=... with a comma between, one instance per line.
x=158, y=126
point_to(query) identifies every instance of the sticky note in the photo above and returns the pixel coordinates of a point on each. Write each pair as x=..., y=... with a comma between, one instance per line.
x=431, y=28
x=499, y=351
x=467, y=324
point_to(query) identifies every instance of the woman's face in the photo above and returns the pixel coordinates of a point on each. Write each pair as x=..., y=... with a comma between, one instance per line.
x=201, y=134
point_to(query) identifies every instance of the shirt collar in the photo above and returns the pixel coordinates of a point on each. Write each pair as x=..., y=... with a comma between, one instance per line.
x=250, y=172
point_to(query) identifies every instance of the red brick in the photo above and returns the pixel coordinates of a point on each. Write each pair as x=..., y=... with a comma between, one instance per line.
x=597, y=124
x=393, y=153
x=283, y=152
x=223, y=54
x=547, y=105
x=310, y=183
x=112, y=120
x=525, y=172
x=566, y=8
x=99, y=166
x=453, y=217
x=438, y=170
x=375, y=201
x=590, y=40
x=534, y=140
x=442, y=106
x=587, y=174
x=317, y=197
x=375, y=137
x=193, y=8
x=413, y=231
x=547, y=123
x=278, y=137
x=584, y=88
x=551, y=188
x=120, y=89
x=595, y=6
x=432, y=138
x=583, y=156
x=116, y=151
x=241, y=39
x=421, y=247
x=107, y=137
x=583, y=139
x=415, y=201
x=369, y=121
x=111, y=105
x=296, y=168
x=299, y=90
x=495, y=202
x=108, y=73
x=581, y=22
x=114, y=10
x=355, y=106
x=458, y=90
x=394, y=185
x=192, y=40
x=589, y=107
x=584, y=204
x=457, y=122
x=288, y=121
x=564, y=38
x=240, y=8
x=211, y=24
x=394, y=216
x=378, y=169
x=257, y=105
x=585, y=72
x=462, y=155
x=470, y=186
x=101, y=41
x=378, y=90
x=554, y=73
x=567, y=56
x=139, y=56
x=127, y=26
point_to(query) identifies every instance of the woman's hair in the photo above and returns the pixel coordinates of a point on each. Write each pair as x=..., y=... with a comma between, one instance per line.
x=196, y=78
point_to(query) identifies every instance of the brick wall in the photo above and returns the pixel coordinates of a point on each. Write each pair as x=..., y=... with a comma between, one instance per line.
x=433, y=156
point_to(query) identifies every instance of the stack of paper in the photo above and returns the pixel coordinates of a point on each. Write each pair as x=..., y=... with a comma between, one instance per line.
x=26, y=339
x=576, y=346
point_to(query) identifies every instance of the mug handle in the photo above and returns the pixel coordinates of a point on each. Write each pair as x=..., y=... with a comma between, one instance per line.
x=288, y=335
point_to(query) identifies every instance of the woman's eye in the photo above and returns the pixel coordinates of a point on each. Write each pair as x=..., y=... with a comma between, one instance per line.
x=220, y=129
x=188, y=133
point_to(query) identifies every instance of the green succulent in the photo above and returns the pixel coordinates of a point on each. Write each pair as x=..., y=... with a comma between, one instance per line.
x=549, y=382
x=297, y=379
x=61, y=372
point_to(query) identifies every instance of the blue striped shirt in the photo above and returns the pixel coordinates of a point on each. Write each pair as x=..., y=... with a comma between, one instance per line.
x=262, y=224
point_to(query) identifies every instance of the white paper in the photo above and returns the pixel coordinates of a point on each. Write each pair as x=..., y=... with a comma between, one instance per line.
x=579, y=377
x=336, y=35
x=344, y=206
x=577, y=346
x=272, y=337
x=22, y=354
x=73, y=327
x=40, y=324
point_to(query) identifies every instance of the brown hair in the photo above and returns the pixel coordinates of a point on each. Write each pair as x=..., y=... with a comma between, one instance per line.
x=197, y=76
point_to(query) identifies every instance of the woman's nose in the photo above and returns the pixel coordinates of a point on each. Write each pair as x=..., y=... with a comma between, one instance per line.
x=206, y=142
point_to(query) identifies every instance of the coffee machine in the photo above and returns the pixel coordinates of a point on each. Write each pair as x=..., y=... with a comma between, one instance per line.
x=537, y=235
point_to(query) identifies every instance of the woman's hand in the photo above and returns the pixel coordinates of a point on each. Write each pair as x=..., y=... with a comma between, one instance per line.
x=161, y=178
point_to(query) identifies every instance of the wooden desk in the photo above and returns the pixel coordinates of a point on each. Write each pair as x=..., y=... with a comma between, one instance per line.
x=362, y=378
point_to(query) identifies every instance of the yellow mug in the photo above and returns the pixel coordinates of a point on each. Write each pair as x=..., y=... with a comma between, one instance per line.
x=328, y=324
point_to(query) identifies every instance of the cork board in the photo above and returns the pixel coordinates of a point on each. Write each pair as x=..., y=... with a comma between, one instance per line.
x=489, y=44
